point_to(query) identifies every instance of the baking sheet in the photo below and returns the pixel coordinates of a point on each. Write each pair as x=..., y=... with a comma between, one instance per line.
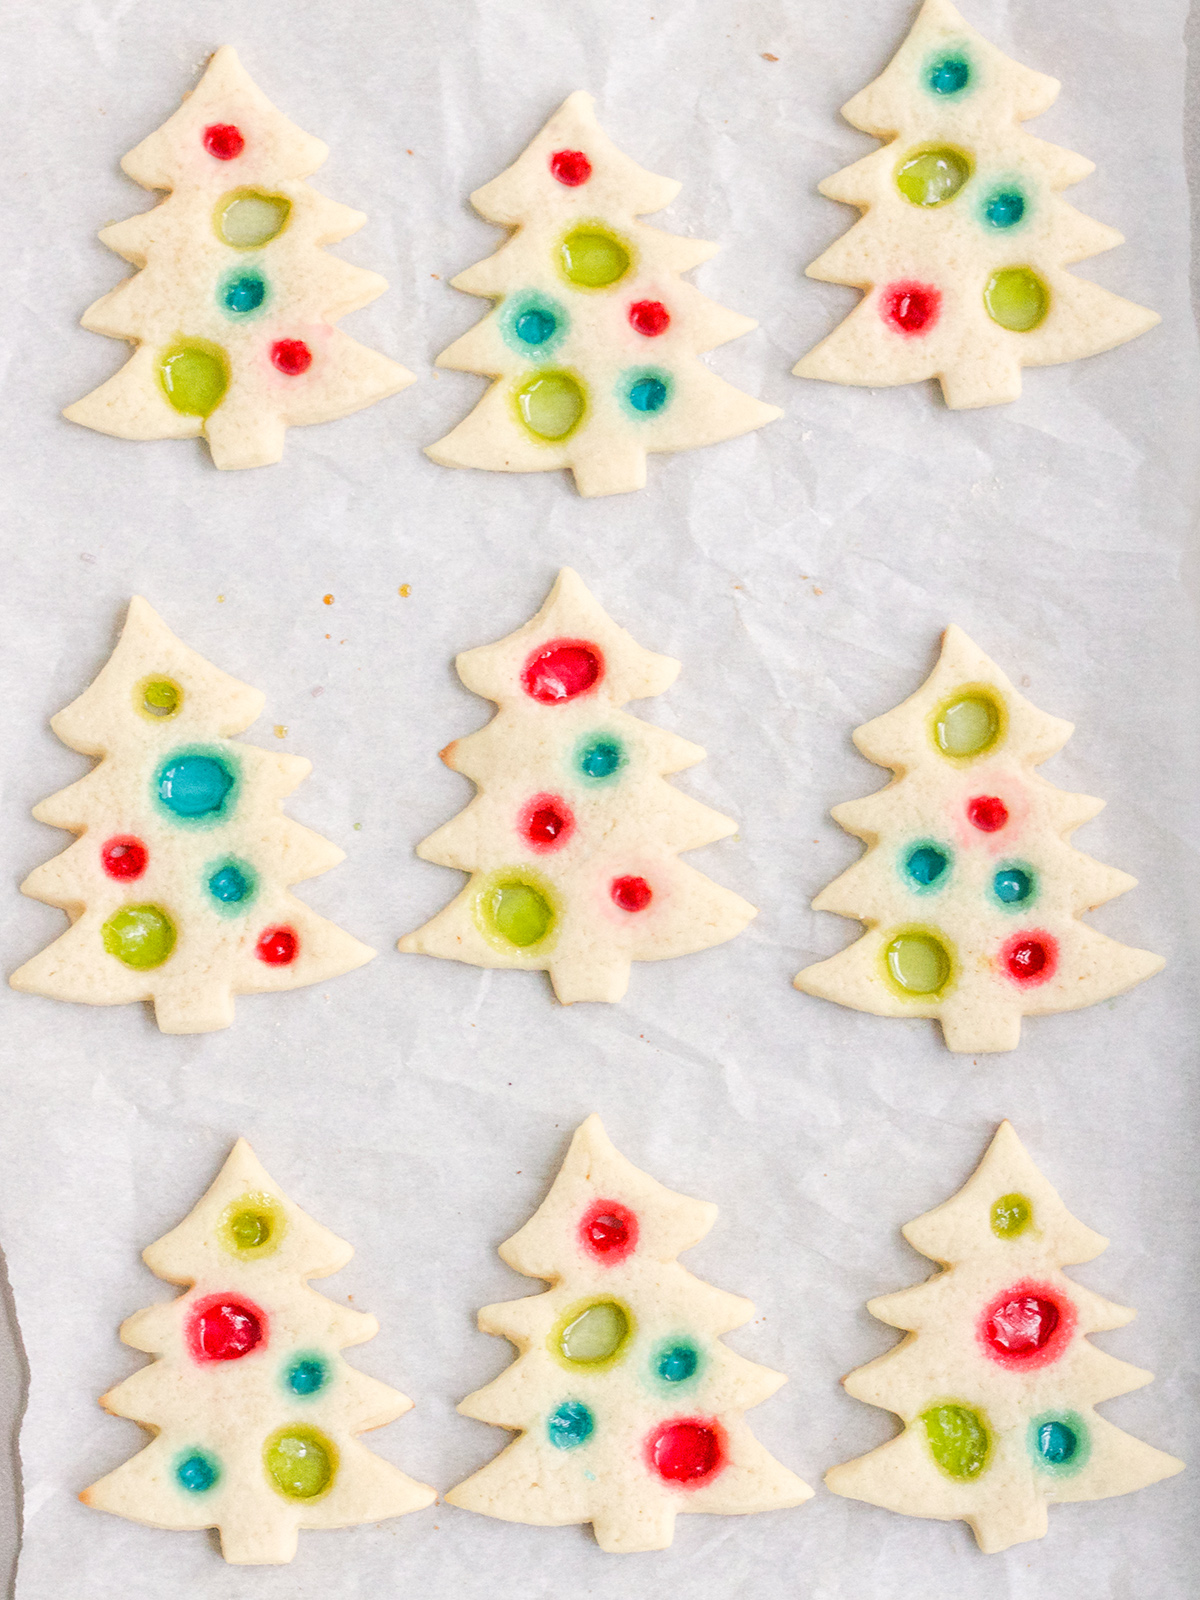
x=801, y=575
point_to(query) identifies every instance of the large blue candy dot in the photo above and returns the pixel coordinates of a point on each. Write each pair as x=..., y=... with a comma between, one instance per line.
x=648, y=394
x=1012, y=885
x=677, y=1363
x=926, y=864
x=1056, y=1443
x=950, y=75
x=570, y=1425
x=197, y=1472
x=536, y=325
x=1005, y=208
x=600, y=759
x=244, y=293
x=307, y=1375
x=194, y=786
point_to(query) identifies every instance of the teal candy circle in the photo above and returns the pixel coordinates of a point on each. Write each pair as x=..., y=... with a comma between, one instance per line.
x=197, y=786
x=534, y=324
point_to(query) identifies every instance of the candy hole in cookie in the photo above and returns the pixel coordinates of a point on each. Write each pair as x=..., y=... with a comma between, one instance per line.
x=196, y=785
x=687, y=1452
x=592, y=1335
x=600, y=756
x=292, y=357
x=649, y=318
x=249, y=218
x=1059, y=1442
x=546, y=823
x=301, y=1462
x=631, y=894
x=197, y=1471
x=278, y=947
x=1004, y=208
x=252, y=1226
x=141, y=937
x=232, y=883
x=1017, y=299
x=608, y=1231
x=194, y=375
x=570, y=168
x=551, y=405
x=918, y=963
x=645, y=391
x=958, y=1440
x=933, y=176
x=987, y=812
x=1030, y=958
x=926, y=866
x=1027, y=1325
x=968, y=723
x=306, y=1375
x=242, y=293
x=1011, y=1215
x=593, y=258
x=571, y=1425
x=676, y=1361
x=910, y=308
x=562, y=670
x=1014, y=886
x=947, y=75
x=124, y=857
x=158, y=698
x=225, y=1328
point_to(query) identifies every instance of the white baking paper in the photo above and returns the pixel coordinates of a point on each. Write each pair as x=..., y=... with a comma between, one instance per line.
x=801, y=575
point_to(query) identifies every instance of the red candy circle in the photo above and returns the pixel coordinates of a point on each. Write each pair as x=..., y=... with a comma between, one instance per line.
x=561, y=670
x=911, y=308
x=570, y=167
x=278, y=947
x=224, y=140
x=1030, y=958
x=124, y=857
x=224, y=1328
x=649, y=317
x=609, y=1231
x=291, y=357
x=632, y=894
x=987, y=812
x=1029, y=1325
x=688, y=1452
x=547, y=823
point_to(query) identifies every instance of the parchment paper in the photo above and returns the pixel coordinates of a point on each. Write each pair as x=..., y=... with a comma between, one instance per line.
x=802, y=576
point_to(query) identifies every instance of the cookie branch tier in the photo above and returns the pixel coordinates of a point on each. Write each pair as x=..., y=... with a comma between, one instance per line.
x=254, y=1411
x=997, y=1380
x=964, y=243
x=573, y=840
x=177, y=886
x=595, y=338
x=631, y=1408
x=969, y=889
x=233, y=306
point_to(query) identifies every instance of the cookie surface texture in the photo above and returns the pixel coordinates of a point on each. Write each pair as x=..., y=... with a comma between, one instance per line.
x=963, y=246
x=255, y=1412
x=997, y=1379
x=595, y=339
x=632, y=1408
x=233, y=307
x=572, y=841
x=177, y=887
x=969, y=890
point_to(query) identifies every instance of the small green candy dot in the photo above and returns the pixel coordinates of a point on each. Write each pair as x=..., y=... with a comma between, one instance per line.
x=1011, y=1215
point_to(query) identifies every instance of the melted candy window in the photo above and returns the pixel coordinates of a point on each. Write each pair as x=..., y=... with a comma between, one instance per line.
x=1017, y=299
x=911, y=308
x=592, y=1335
x=248, y=218
x=958, y=1440
x=676, y=1361
x=142, y=937
x=570, y=167
x=949, y=75
x=551, y=405
x=646, y=392
x=1027, y=1326
x=278, y=947
x=931, y=177
x=561, y=670
x=571, y=1425
x=968, y=724
x=197, y=1471
x=1013, y=886
x=224, y=1328
x=925, y=866
x=158, y=698
x=918, y=963
x=243, y=293
x=1030, y=958
x=252, y=1226
x=1011, y=1216
x=301, y=1462
x=194, y=375
x=515, y=909
x=232, y=884
x=688, y=1452
x=600, y=758
x=124, y=858
x=1004, y=208
x=593, y=258
x=196, y=785
x=546, y=823
x=608, y=1231
x=1059, y=1442
x=307, y=1375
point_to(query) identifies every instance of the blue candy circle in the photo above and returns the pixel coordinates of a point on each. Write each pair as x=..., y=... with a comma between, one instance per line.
x=195, y=786
x=570, y=1425
x=197, y=1472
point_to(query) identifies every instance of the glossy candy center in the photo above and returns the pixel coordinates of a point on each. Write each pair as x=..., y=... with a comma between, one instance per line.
x=1030, y=958
x=1016, y=298
x=536, y=325
x=677, y=1363
x=1012, y=886
x=292, y=357
x=931, y=177
x=1021, y=1326
x=518, y=912
x=593, y=259
x=600, y=759
x=249, y=218
x=195, y=785
x=142, y=937
x=926, y=865
x=987, y=812
x=229, y=884
x=1011, y=1216
x=307, y=1375
x=277, y=947
x=197, y=1472
x=224, y=141
x=571, y=1425
x=609, y=1231
x=1004, y=208
x=124, y=857
x=1057, y=1443
x=160, y=698
x=194, y=376
x=547, y=823
x=225, y=1330
x=562, y=670
x=648, y=394
x=911, y=308
x=649, y=318
x=244, y=293
x=301, y=1462
x=918, y=963
x=958, y=1440
x=595, y=1335
x=551, y=404
x=966, y=725
x=685, y=1452
x=631, y=894
x=252, y=1226
x=950, y=75
x=570, y=167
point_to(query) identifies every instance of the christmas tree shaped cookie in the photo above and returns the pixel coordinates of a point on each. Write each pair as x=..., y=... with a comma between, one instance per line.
x=969, y=890
x=595, y=339
x=177, y=887
x=572, y=841
x=631, y=1408
x=253, y=1409
x=997, y=1380
x=233, y=307
x=964, y=243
